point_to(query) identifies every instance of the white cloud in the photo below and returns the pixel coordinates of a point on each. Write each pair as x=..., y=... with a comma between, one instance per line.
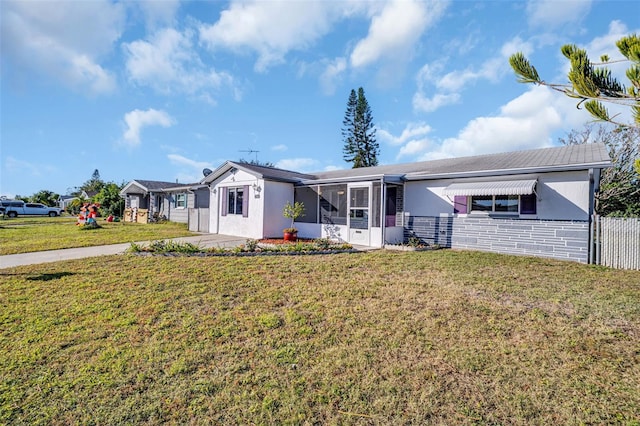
x=410, y=132
x=554, y=14
x=14, y=165
x=606, y=45
x=271, y=29
x=516, y=45
x=413, y=148
x=180, y=160
x=168, y=63
x=413, y=139
x=424, y=104
x=297, y=164
x=387, y=37
x=25, y=173
x=63, y=40
x=281, y=147
x=526, y=122
x=448, y=87
x=159, y=12
x=136, y=120
x=191, y=170
x=331, y=74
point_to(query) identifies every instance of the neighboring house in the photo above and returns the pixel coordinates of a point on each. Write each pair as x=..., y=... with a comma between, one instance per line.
x=536, y=202
x=170, y=200
x=65, y=200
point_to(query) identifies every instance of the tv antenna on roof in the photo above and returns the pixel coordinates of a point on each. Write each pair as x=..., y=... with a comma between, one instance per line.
x=250, y=151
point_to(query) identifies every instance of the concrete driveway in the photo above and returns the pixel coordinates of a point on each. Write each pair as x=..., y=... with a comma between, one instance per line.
x=202, y=240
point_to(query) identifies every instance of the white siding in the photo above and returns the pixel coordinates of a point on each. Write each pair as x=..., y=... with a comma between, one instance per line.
x=564, y=196
x=424, y=198
x=561, y=195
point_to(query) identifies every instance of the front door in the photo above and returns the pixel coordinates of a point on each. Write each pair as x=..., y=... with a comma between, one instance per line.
x=359, y=222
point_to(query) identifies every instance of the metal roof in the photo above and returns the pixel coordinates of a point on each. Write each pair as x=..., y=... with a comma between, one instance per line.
x=261, y=172
x=155, y=186
x=273, y=173
x=571, y=157
x=546, y=159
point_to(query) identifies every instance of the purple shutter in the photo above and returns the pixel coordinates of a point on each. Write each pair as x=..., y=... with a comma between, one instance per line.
x=528, y=204
x=460, y=204
x=225, y=196
x=245, y=201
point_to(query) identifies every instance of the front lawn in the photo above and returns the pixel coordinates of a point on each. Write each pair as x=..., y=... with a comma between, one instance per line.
x=437, y=337
x=29, y=234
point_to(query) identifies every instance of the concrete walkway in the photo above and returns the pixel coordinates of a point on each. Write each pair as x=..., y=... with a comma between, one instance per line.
x=203, y=240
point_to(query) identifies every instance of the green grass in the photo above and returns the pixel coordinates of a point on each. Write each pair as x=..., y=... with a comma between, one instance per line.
x=439, y=337
x=29, y=234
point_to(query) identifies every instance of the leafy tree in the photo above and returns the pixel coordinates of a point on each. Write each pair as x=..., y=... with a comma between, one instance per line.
x=94, y=184
x=592, y=83
x=45, y=197
x=257, y=162
x=619, y=185
x=351, y=149
x=110, y=200
x=73, y=208
x=293, y=211
x=358, y=132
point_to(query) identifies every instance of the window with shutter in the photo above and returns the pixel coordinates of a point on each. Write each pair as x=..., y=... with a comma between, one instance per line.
x=235, y=202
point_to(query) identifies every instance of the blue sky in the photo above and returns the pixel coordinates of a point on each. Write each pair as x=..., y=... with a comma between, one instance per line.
x=162, y=89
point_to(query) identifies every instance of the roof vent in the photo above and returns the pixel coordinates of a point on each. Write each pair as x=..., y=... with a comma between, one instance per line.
x=206, y=172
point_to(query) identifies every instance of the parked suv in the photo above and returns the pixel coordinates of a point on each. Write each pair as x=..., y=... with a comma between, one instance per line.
x=13, y=208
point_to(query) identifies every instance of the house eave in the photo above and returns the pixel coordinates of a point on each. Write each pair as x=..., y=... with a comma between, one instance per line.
x=177, y=188
x=224, y=168
x=135, y=183
x=505, y=172
x=348, y=179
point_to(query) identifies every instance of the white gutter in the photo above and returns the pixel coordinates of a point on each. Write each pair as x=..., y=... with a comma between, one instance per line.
x=396, y=178
x=503, y=172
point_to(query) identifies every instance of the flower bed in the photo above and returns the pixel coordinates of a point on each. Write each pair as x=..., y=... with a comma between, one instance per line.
x=250, y=248
x=410, y=247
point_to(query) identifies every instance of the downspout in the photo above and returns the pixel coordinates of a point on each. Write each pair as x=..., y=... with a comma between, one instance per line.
x=169, y=201
x=383, y=210
x=594, y=186
x=318, y=211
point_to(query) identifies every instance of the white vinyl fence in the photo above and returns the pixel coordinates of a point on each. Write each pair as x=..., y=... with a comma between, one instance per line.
x=619, y=242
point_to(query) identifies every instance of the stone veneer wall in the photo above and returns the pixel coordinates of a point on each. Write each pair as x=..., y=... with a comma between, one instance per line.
x=559, y=239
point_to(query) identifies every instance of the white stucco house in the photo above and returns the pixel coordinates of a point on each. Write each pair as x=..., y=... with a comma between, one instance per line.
x=536, y=202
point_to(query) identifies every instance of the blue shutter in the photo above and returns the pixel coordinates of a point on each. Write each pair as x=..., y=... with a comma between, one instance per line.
x=460, y=204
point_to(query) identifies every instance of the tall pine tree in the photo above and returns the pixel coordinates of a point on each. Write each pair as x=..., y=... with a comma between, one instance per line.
x=358, y=132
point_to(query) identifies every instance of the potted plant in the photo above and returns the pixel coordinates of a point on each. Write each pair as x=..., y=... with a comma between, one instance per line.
x=292, y=211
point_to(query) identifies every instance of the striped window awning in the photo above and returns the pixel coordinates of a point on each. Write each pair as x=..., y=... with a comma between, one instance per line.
x=503, y=187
